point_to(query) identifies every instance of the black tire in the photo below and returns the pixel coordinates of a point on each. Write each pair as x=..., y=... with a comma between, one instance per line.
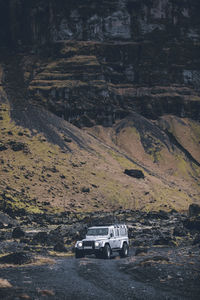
x=124, y=251
x=79, y=253
x=107, y=252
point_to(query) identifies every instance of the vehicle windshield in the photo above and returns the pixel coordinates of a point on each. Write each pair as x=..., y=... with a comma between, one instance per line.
x=97, y=231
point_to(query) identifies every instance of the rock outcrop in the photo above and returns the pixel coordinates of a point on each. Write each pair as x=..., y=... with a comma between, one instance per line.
x=101, y=61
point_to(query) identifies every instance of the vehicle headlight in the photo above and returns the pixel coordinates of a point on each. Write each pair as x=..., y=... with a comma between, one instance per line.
x=80, y=245
x=97, y=244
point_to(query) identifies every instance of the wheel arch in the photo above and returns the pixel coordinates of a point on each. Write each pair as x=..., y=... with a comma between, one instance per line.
x=122, y=243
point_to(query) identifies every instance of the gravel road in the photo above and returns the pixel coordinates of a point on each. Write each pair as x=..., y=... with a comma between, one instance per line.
x=135, y=277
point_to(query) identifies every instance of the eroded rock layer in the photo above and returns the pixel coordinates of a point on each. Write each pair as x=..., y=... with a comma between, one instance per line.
x=101, y=61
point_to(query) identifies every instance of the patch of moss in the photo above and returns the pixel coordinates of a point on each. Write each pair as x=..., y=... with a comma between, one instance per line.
x=60, y=254
x=68, y=50
x=83, y=59
x=182, y=165
x=123, y=161
x=195, y=126
x=15, y=203
x=155, y=153
x=49, y=84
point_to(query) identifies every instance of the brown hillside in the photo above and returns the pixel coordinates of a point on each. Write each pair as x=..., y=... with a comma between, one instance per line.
x=48, y=164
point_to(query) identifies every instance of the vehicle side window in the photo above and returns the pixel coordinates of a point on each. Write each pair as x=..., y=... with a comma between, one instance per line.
x=116, y=232
x=122, y=231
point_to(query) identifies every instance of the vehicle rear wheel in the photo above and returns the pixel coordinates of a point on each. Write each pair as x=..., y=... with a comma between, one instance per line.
x=107, y=251
x=79, y=253
x=124, y=251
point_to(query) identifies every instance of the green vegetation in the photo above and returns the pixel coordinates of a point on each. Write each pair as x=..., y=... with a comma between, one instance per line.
x=122, y=160
x=48, y=179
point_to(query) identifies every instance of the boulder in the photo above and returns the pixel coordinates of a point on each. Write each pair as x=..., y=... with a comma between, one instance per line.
x=54, y=237
x=85, y=189
x=1, y=225
x=179, y=230
x=74, y=232
x=134, y=173
x=41, y=237
x=196, y=239
x=5, y=235
x=194, y=210
x=18, y=146
x=18, y=258
x=60, y=247
x=192, y=223
x=161, y=214
x=141, y=241
x=7, y=220
x=2, y=147
x=164, y=240
x=140, y=251
x=18, y=233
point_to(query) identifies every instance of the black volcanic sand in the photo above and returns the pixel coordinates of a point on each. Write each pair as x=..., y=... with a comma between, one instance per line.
x=162, y=273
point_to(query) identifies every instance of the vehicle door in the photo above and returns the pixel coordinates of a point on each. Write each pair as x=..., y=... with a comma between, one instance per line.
x=112, y=239
x=117, y=240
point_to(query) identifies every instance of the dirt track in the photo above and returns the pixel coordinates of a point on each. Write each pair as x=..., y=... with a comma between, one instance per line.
x=162, y=273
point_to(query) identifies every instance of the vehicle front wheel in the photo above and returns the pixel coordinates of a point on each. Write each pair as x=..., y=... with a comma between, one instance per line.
x=124, y=251
x=79, y=253
x=107, y=251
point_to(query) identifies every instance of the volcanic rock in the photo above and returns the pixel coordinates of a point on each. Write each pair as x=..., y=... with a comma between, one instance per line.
x=18, y=146
x=140, y=251
x=192, y=223
x=194, y=210
x=18, y=233
x=2, y=147
x=7, y=220
x=60, y=247
x=134, y=173
x=18, y=258
x=41, y=237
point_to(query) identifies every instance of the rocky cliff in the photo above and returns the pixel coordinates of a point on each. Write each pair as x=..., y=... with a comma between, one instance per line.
x=100, y=61
x=127, y=73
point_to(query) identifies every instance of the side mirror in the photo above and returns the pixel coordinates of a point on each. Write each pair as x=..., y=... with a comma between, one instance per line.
x=111, y=235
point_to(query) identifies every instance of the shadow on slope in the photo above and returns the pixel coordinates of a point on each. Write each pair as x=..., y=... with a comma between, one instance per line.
x=39, y=120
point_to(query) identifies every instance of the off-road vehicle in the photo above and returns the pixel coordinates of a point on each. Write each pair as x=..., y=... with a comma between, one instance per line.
x=103, y=241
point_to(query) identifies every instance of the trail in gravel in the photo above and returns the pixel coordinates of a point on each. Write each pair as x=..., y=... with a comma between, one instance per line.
x=162, y=273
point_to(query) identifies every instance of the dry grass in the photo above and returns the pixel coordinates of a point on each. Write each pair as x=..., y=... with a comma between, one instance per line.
x=169, y=183
x=61, y=254
x=4, y=283
x=37, y=261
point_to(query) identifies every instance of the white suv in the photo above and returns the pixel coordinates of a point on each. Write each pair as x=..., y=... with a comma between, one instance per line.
x=103, y=241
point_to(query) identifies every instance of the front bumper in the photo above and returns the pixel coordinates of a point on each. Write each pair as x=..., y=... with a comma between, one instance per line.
x=90, y=251
x=90, y=248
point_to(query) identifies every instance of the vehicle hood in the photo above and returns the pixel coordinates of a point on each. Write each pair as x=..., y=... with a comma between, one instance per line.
x=95, y=237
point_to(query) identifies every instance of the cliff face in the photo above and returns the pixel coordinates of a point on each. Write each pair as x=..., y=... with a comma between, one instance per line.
x=128, y=71
x=105, y=60
x=39, y=21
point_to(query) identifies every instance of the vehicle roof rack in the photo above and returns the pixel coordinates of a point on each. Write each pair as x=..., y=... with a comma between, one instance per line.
x=109, y=224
